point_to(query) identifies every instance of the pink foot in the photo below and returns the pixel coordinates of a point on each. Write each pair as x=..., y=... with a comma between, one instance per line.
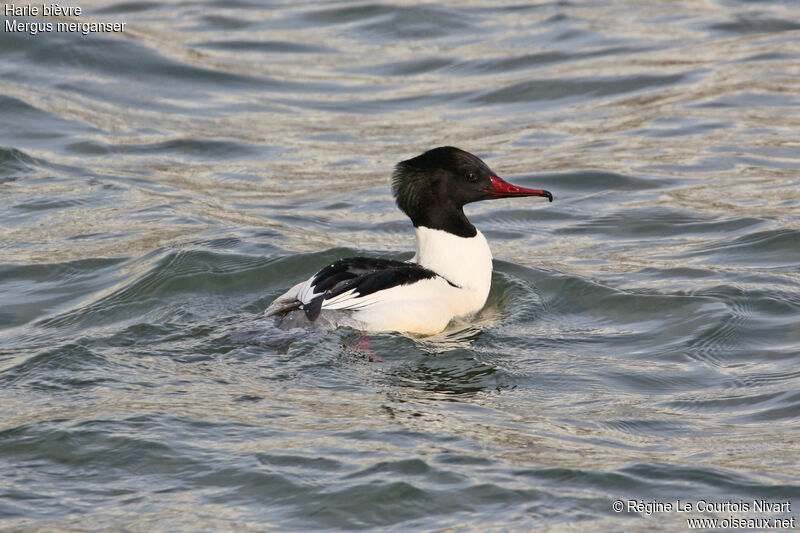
x=363, y=346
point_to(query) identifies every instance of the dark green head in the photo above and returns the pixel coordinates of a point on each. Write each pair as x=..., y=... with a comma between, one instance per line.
x=433, y=188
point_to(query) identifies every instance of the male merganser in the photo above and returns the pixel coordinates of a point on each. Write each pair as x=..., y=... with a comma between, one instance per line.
x=448, y=277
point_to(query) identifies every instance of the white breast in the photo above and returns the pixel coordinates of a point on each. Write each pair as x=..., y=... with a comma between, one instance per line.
x=463, y=261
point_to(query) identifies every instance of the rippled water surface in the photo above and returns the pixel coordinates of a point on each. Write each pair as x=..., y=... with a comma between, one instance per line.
x=160, y=186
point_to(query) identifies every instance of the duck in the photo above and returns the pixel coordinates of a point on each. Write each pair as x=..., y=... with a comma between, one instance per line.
x=449, y=276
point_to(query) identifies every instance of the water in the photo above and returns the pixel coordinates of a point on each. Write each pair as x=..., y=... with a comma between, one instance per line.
x=162, y=185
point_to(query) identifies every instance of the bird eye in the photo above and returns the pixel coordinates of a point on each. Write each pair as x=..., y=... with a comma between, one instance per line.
x=471, y=176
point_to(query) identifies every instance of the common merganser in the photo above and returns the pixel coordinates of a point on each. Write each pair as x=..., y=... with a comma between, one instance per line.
x=448, y=277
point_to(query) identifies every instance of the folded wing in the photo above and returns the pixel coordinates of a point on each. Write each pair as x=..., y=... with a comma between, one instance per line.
x=351, y=283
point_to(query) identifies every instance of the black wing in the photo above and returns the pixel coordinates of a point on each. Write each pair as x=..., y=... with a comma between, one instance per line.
x=362, y=275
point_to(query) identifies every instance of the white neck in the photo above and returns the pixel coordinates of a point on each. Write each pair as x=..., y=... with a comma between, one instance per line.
x=463, y=261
